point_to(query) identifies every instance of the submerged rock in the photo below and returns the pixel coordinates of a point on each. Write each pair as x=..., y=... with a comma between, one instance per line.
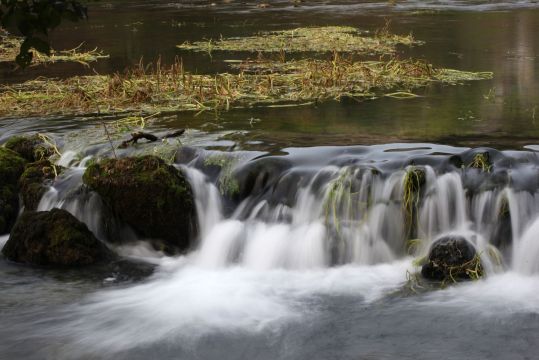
x=32, y=148
x=150, y=196
x=53, y=238
x=11, y=168
x=33, y=182
x=452, y=258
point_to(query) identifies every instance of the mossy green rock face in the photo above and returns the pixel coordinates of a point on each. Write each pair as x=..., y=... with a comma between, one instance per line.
x=53, y=238
x=32, y=148
x=33, y=180
x=11, y=168
x=153, y=198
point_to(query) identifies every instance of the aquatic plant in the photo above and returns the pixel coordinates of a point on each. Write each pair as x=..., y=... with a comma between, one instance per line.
x=481, y=161
x=148, y=89
x=308, y=39
x=10, y=45
x=473, y=269
x=338, y=197
x=228, y=184
x=413, y=182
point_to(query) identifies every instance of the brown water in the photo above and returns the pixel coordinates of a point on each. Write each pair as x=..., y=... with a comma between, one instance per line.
x=475, y=36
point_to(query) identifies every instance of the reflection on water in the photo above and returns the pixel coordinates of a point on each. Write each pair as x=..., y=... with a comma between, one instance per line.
x=499, y=113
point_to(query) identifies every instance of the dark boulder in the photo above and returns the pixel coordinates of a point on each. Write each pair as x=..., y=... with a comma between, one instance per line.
x=150, y=196
x=259, y=175
x=32, y=148
x=11, y=168
x=34, y=180
x=451, y=259
x=53, y=238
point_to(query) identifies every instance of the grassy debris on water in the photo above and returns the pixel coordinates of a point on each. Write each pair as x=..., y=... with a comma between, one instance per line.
x=309, y=39
x=9, y=49
x=148, y=89
x=157, y=88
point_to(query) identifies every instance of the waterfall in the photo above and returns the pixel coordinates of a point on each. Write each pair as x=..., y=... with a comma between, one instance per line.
x=526, y=253
x=309, y=216
x=67, y=194
x=207, y=200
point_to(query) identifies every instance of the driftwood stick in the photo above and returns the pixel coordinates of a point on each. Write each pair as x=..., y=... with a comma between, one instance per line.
x=136, y=136
x=174, y=134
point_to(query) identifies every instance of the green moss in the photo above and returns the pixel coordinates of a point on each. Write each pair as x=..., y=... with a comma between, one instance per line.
x=32, y=148
x=228, y=184
x=11, y=168
x=54, y=238
x=11, y=165
x=33, y=181
x=147, y=194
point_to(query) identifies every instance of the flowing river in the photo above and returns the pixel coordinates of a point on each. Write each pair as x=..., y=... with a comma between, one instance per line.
x=300, y=252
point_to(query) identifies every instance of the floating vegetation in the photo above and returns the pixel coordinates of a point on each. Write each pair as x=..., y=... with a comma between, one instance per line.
x=481, y=161
x=9, y=49
x=153, y=88
x=309, y=39
x=147, y=89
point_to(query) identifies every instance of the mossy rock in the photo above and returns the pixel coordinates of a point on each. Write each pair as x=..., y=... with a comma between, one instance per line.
x=32, y=148
x=11, y=168
x=34, y=180
x=452, y=259
x=54, y=238
x=150, y=196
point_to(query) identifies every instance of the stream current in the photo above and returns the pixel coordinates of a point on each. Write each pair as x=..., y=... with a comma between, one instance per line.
x=301, y=251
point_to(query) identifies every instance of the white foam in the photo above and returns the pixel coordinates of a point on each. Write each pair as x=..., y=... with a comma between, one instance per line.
x=498, y=295
x=3, y=240
x=192, y=302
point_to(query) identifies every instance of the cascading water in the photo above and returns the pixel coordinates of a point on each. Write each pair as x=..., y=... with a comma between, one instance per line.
x=278, y=233
x=319, y=213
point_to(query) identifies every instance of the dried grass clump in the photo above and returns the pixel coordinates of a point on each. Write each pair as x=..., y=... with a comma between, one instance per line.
x=150, y=89
x=9, y=49
x=310, y=39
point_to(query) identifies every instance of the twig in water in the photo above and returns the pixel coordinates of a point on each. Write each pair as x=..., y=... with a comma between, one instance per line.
x=110, y=141
x=136, y=136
